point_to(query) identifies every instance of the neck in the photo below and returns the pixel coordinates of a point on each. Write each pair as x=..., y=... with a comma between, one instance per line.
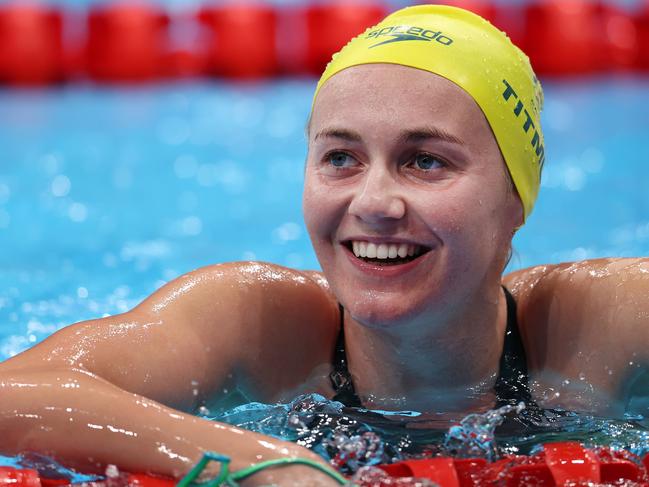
x=435, y=364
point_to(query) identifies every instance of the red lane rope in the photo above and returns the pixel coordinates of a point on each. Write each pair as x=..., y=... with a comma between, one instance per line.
x=126, y=42
x=558, y=464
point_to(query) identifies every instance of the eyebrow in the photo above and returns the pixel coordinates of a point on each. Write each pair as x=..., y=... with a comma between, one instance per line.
x=408, y=136
x=335, y=133
x=426, y=133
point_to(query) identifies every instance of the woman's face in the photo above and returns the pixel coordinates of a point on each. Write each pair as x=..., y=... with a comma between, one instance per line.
x=400, y=161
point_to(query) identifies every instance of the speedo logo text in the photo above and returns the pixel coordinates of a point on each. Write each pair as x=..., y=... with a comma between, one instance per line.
x=398, y=33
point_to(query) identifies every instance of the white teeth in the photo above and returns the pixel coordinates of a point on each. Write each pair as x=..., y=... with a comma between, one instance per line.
x=403, y=250
x=371, y=250
x=393, y=251
x=362, y=249
x=384, y=250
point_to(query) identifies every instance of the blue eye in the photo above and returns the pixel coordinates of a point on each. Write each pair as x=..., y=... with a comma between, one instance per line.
x=426, y=162
x=339, y=159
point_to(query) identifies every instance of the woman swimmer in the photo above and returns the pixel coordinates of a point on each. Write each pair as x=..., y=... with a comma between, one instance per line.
x=425, y=152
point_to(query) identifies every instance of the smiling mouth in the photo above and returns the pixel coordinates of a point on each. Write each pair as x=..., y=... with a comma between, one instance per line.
x=385, y=254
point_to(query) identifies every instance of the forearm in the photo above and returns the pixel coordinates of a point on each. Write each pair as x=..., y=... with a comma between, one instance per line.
x=85, y=421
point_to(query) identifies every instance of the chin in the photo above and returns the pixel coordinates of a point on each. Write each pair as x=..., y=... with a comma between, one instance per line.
x=381, y=311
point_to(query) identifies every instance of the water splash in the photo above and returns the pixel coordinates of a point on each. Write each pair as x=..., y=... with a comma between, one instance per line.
x=475, y=436
x=324, y=426
x=356, y=440
x=352, y=439
x=375, y=477
x=351, y=453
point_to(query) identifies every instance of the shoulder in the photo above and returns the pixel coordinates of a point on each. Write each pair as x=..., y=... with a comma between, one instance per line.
x=245, y=284
x=597, y=283
x=260, y=294
x=590, y=316
x=292, y=349
x=289, y=322
x=271, y=324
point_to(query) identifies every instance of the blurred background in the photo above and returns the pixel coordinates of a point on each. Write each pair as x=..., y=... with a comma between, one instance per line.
x=139, y=141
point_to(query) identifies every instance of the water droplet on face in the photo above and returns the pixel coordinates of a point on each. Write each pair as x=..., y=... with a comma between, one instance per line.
x=582, y=376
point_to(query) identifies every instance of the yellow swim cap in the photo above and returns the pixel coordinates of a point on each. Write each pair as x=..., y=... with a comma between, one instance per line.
x=466, y=49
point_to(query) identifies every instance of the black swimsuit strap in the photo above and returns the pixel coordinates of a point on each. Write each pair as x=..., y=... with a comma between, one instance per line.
x=341, y=379
x=511, y=385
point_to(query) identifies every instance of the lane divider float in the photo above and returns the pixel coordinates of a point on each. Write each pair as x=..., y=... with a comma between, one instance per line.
x=556, y=465
x=123, y=41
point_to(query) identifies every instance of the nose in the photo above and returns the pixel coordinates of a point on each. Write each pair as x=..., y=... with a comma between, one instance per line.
x=377, y=197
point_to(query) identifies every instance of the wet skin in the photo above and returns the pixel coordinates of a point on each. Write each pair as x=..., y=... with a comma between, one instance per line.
x=385, y=164
x=379, y=172
x=430, y=175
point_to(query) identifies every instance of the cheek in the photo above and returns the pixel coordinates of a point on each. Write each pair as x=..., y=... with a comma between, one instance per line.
x=318, y=207
x=488, y=229
x=455, y=210
x=470, y=219
x=310, y=206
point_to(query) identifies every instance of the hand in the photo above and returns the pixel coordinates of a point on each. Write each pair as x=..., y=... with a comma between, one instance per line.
x=293, y=475
x=248, y=449
x=290, y=476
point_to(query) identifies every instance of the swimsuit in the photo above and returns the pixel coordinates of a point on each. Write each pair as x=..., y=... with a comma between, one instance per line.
x=511, y=385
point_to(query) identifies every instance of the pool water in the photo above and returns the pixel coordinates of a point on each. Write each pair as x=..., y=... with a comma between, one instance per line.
x=106, y=193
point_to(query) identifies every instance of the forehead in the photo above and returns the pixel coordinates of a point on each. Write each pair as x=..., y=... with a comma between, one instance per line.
x=388, y=96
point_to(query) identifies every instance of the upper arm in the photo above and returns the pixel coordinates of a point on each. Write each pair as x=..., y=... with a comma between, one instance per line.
x=603, y=302
x=622, y=290
x=158, y=349
x=189, y=340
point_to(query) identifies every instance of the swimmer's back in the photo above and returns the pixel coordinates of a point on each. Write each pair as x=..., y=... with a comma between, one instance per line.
x=257, y=328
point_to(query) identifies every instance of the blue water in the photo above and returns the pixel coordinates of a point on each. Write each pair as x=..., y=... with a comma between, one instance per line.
x=138, y=186
x=108, y=193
